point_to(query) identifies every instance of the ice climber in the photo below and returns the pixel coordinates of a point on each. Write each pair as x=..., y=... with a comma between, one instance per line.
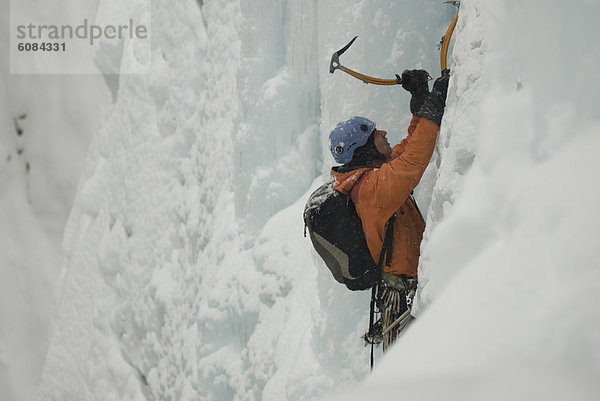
x=380, y=180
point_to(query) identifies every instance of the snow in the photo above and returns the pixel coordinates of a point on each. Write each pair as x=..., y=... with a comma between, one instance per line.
x=185, y=272
x=39, y=171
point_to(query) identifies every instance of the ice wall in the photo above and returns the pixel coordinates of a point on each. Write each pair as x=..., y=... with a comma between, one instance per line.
x=46, y=123
x=187, y=276
x=456, y=151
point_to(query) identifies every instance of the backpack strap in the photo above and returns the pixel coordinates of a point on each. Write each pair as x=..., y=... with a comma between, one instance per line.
x=386, y=252
x=388, y=240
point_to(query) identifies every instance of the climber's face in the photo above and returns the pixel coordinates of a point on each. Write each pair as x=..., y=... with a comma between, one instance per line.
x=382, y=144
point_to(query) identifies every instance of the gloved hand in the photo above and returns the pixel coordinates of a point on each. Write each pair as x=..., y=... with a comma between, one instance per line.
x=440, y=86
x=434, y=105
x=417, y=83
x=414, y=81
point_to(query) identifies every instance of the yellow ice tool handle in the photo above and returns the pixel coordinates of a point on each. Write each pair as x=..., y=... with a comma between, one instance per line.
x=367, y=79
x=446, y=38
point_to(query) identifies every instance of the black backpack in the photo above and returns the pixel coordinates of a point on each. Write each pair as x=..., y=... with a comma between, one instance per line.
x=337, y=235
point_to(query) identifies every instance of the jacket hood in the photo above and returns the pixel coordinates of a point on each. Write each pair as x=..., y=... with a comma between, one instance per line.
x=344, y=180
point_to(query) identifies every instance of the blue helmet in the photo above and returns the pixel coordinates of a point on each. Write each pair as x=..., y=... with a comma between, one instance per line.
x=349, y=135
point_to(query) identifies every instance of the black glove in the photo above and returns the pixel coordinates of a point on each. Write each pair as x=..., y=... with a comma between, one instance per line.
x=417, y=83
x=414, y=81
x=434, y=105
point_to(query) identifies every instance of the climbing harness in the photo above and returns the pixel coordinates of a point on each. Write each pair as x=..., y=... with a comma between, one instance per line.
x=396, y=304
x=393, y=298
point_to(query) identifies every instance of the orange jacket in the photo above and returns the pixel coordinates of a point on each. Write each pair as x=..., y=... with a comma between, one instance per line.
x=381, y=190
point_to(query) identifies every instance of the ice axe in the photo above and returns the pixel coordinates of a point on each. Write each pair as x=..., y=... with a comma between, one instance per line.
x=445, y=41
x=335, y=65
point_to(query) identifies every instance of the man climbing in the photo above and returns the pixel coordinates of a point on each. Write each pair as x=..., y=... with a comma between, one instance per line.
x=380, y=180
